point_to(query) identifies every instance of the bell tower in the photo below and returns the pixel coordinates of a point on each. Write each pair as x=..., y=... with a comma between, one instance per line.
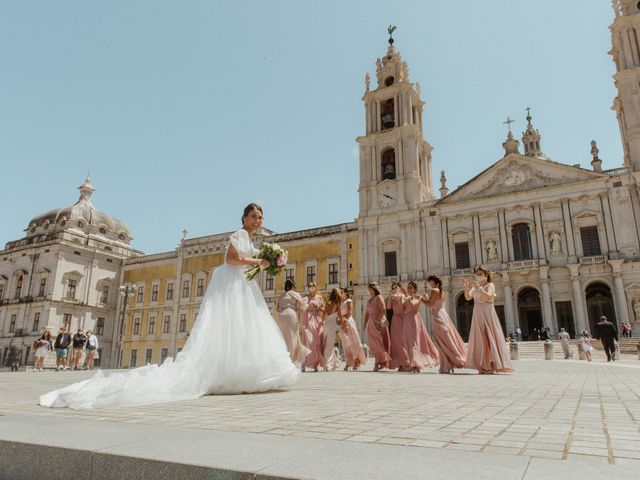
x=625, y=42
x=395, y=160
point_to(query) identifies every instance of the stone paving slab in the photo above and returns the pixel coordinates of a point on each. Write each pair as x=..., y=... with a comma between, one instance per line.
x=567, y=412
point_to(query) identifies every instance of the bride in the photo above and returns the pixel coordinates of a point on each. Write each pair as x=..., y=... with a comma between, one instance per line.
x=235, y=345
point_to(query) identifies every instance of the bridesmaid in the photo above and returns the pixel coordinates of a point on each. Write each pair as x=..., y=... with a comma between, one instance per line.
x=312, y=336
x=399, y=350
x=353, y=353
x=422, y=351
x=487, y=349
x=329, y=327
x=445, y=334
x=289, y=306
x=375, y=323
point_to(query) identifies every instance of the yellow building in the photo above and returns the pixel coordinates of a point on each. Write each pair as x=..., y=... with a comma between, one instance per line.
x=169, y=287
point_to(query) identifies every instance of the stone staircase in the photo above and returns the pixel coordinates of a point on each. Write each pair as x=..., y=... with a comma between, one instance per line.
x=535, y=350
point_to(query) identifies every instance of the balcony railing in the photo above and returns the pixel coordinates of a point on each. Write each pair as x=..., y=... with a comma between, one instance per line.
x=593, y=260
x=617, y=172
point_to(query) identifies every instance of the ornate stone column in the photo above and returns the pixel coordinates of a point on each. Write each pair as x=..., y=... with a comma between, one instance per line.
x=578, y=300
x=508, y=303
x=547, y=310
x=622, y=312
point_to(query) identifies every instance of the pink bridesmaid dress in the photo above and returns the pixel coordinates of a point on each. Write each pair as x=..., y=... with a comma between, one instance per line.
x=353, y=353
x=399, y=349
x=447, y=338
x=487, y=349
x=378, y=333
x=289, y=304
x=312, y=334
x=422, y=352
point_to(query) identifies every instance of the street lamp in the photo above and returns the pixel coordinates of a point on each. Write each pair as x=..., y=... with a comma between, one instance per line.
x=126, y=291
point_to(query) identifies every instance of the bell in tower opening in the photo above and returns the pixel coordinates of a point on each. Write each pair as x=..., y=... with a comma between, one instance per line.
x=387, y=114
x=389, y=164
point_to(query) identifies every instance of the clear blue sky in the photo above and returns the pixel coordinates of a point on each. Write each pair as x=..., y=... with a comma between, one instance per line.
x=184, y=111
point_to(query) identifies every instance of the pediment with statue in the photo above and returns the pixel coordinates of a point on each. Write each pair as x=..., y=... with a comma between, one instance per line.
x=515, y=173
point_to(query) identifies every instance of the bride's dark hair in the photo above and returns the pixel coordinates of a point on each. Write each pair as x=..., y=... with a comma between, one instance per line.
x=248, y=208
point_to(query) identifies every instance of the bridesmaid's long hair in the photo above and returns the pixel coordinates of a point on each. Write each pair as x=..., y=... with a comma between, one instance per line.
x=334, y=297
x=248, y=208
x=435, y=279
x=289, y=285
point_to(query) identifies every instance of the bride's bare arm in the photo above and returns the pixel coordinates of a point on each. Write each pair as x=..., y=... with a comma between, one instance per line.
x=234, y=258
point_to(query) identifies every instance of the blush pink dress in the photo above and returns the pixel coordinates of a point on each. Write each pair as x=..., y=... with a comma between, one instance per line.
x=446, y=336
x=378, y=332
x=312, y=335
x=289, y=304
x=422, y=352
x=399, y=349
x=351, y=345
x=487, y=350
x=329, y=328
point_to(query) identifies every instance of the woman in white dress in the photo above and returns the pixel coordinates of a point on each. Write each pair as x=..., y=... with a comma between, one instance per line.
x=585, y=344
x=329, y=328
x=235, y=345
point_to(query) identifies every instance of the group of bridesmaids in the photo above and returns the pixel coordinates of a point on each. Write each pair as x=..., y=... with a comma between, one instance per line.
x=399, y=340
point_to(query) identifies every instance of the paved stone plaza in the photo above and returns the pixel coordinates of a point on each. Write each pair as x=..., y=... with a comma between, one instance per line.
x=580, y=418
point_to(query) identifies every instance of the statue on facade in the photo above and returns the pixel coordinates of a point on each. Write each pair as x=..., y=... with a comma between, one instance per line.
x=555, y=241
x=492, y=250
x=367, y=81
x=636, y=309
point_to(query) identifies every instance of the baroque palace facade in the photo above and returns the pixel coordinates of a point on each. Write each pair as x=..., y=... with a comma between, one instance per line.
x=563, y=242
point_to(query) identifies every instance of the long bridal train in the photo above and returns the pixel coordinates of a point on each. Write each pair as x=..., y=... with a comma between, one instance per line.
x=235, y=347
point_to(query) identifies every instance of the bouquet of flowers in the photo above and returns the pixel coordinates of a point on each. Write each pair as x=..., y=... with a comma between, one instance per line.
x=276, y=256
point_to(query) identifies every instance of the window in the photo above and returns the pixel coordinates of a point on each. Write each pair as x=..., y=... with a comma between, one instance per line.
x=290, y=274
x=134, y=358
x=154, y=293
x=36, y=322
x=1, y=292
x=19, y=286
x=521, y=237
x=147, y=355
x=186, y=286
x=166, y=324
x=136, y=326
x=164, y=353
x=590, y=241
x=152, y=326
x=140, y=295
x=268, y=282
x=43, y=286
x=390, y=264
x=100, y=326
x=333, y=273
x=170, y=291
x=311, y=274
x=462, y=255
x=389, y=164
x=387, y=114
x=12, y=325
x=66, y=321
x=71, y=289
x=104, y=294
x=183, y=323
x=200, y=287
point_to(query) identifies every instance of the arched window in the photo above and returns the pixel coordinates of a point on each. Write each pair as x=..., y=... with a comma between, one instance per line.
x=599, y=303
x=521, y=237
x=387, y=114
x=388, y=164
x=464, y=312
x=19, y=286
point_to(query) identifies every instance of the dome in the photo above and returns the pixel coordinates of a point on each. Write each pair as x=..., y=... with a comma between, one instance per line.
x=82, y=215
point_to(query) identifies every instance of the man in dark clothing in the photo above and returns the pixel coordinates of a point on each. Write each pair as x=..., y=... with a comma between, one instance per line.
x=608, y=334
x=62, y=348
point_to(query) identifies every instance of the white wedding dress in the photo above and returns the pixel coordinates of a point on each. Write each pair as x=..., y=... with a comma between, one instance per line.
x=235, y=347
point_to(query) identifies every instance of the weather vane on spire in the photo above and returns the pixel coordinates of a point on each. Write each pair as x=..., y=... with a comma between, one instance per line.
x=390, y=30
